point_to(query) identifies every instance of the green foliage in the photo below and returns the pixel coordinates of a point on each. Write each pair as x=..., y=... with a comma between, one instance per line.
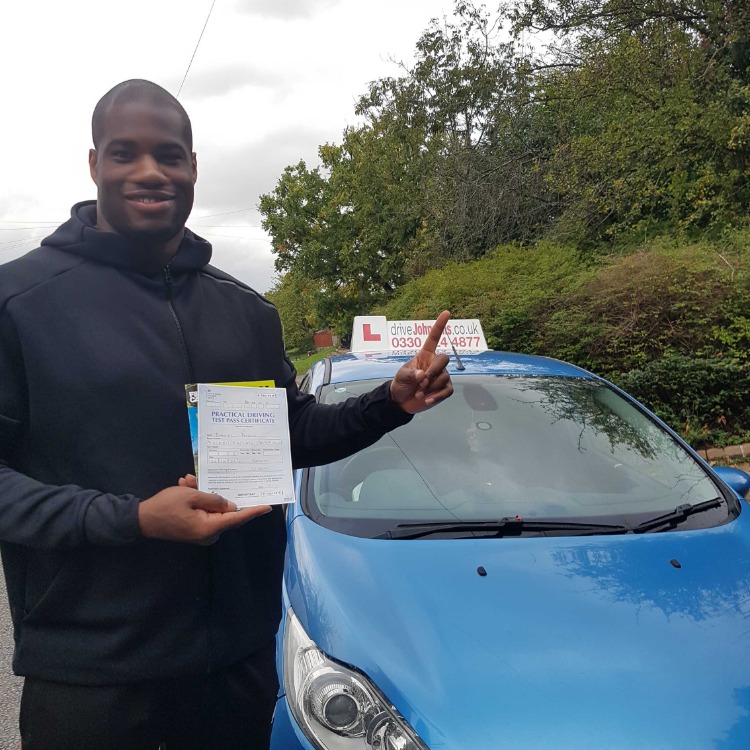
x=466, y=97
x=649, y=131
x=637, y=318
x=441, y=170
x=295, y=299
x=346, y=224
x=560, y=171
x=666, y=297
x=511, y=291
x=720, y=27
x=707, y=400
x=291, y=216
x=638, y=115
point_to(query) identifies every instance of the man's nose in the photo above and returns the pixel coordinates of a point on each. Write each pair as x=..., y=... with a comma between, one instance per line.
x=148, y=171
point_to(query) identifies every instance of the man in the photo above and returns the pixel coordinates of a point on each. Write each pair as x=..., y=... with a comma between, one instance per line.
x=144, y=610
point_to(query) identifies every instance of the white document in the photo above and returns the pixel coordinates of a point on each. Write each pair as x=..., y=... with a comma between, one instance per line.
x=244, y=451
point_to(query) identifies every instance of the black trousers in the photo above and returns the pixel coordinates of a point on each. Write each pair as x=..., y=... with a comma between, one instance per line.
x=227, y=710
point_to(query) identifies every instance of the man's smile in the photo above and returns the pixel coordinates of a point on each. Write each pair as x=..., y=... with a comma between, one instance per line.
x=151, y=200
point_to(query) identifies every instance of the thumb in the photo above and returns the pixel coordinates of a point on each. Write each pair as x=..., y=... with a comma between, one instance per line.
x=408, y=376
x=405, y=384
x=213, y=503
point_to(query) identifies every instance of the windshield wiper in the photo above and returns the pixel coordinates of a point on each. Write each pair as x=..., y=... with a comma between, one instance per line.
x=515, y=526
x=678, y=515
x=503, y=527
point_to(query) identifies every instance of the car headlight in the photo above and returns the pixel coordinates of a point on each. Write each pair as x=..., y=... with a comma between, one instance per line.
x=336, y=707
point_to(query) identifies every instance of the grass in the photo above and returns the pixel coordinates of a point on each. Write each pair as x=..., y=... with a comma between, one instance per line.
x=303, y=364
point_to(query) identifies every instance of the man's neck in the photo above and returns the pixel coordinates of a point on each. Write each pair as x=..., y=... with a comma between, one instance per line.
x=162, y=254
x=153, y=256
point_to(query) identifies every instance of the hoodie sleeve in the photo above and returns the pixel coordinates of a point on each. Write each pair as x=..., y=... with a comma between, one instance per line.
x=39, y=515
x=323, y=433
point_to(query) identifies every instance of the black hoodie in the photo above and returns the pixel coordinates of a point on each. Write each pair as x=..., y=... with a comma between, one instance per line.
x=95, y=350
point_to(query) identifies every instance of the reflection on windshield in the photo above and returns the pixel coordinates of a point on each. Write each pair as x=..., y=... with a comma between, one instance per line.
x=536, y=447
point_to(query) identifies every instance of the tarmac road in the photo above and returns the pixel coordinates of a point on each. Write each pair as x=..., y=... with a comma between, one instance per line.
x=10, y=686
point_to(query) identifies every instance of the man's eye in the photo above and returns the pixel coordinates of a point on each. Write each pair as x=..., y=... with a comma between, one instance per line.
x=121, y=155
x=170, y=158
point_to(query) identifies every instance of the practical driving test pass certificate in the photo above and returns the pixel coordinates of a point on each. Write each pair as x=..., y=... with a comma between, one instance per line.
x=244, y=451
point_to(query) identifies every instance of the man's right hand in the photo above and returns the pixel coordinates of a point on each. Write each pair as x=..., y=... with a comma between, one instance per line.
x=184, y=514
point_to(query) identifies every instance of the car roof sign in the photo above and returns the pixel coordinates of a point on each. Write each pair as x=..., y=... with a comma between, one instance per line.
x=374, y=333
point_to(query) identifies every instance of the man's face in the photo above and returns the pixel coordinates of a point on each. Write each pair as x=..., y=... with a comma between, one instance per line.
x=145, y=173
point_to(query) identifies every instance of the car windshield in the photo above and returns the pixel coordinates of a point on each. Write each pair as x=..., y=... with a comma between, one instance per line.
x=505, y=447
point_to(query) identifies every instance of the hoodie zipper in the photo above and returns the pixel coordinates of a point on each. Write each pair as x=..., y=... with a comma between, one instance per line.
x=183, y=345
x=191, y=379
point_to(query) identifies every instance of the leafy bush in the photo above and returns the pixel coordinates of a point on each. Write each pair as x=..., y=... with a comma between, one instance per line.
x=691, y=299
x=670, y=321
x=505, y=290
x=706, y=400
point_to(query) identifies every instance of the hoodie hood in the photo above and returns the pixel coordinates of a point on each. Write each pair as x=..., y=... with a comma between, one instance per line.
x=80, y=236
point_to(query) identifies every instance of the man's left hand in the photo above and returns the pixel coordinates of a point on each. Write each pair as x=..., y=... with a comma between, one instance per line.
x=423, y=381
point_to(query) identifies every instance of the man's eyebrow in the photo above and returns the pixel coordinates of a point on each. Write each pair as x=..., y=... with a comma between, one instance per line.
x=119, y=142
x=131, y=143
x=171, y=145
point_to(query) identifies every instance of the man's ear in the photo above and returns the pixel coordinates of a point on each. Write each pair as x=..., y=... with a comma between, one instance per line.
x=93, y=159
x=194, y=159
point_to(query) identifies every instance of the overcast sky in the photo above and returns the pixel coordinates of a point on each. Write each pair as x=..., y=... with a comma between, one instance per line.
x=271, y=80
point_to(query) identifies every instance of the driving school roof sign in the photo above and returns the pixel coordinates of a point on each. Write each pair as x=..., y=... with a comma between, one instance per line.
x=373, y=333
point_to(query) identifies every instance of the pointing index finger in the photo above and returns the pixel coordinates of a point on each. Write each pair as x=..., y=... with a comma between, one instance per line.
x=436, y=332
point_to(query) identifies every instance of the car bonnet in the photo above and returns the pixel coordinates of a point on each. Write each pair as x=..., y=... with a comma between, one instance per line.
x=566, y=642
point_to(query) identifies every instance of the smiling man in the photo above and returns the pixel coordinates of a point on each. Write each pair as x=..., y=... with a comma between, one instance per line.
x=144, y=185
x=144, y=610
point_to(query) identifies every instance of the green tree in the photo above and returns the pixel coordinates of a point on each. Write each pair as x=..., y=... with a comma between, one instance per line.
x=721, y=28
x=296, y=299
x=646, y=137
x=341, y=225
x=442, y=168
x=652, y=119
x=636, y=122
x=467, y=96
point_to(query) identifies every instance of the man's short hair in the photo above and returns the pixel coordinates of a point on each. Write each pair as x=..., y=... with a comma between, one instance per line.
x=138, y=90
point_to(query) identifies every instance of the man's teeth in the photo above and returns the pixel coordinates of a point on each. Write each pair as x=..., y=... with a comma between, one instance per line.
x=149, y=200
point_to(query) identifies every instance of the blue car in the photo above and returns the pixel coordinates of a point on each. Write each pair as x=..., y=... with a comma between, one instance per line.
x=538, y=563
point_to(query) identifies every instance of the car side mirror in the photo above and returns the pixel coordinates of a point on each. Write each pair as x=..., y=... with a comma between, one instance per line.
x=737, y=479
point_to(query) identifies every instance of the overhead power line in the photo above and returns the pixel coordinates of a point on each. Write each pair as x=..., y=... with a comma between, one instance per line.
x=24, y=229
x=235, y=237
x=57, y=222
x=26, y=244
x=225, y=213
x=196, y=49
